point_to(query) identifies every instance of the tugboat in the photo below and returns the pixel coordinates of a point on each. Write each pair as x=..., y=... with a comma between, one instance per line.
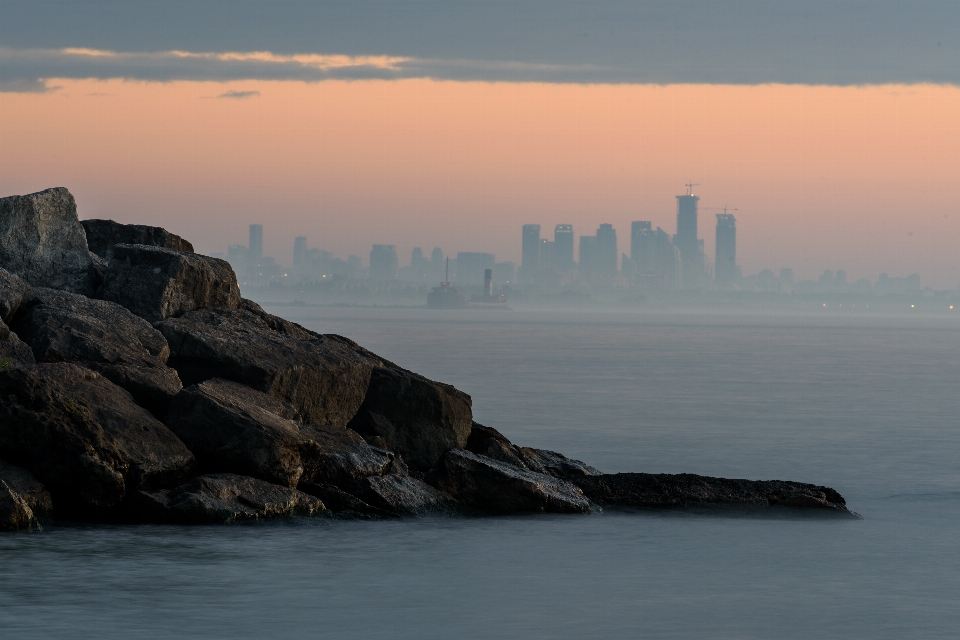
x=488, y=300
x=446, y=295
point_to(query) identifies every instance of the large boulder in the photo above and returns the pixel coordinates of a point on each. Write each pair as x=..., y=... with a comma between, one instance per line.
x=12, y=291
x=342, y=503
x=402, y=495
x=85, y=438
x=24, y=502
x=341, y=457
x=224, y=498
x=13, y=351
x=42, y=241
x=663, y=490
x=103, y=234
x=418, y=418
x=158, y=283
x=490, y=485
x=325, y=377
x=103, y=336
x=489, y=442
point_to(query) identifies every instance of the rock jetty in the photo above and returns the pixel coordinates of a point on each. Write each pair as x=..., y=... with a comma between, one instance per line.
x=137, y=385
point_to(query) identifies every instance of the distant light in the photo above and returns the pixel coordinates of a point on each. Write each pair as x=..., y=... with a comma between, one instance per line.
x=951, y=307
x=824, y=304
x=912, y=306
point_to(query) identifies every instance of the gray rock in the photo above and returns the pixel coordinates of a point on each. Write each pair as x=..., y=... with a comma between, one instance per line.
x=489, y=442
x=12, y=291
x=85, y=438
x=13, y=351
x=490, y=485
x=24, y=502
x=103, y=234
x=41, y=241
x=688, y=490
x=157, y=283
x=402, y=495
x=324, y=377
x=418, y=418
x=103, y=336
x=342, y=503
x=226, y=498
x=342, y=457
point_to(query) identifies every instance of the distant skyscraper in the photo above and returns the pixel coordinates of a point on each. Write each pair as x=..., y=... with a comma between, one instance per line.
x=299, y=251
x=588, y=255
x=725, y=267
x=419, y=265
x=436, y=263
x=383, y=262
x=643, y=247
x=547, y=258
x=687, y=241
x=256, y=243
x=607, y=250
x=668, y=261
x=530, y=254
x=563, y=247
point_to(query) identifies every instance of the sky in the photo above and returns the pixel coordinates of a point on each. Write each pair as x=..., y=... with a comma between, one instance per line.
x=829, y=129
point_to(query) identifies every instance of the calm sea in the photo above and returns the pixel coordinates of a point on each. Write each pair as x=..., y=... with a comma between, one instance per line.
x=868, y=405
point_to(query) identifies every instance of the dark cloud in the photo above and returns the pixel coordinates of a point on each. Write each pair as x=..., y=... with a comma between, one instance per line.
x=239, y=95
x=654, y=41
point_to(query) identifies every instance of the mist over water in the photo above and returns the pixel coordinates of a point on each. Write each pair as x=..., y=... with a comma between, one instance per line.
x=865, y=404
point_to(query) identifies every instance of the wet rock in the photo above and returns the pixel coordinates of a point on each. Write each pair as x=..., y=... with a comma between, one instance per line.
x=491, y=485
x=689, y=490
x=343, y=503
x=342, y=457
x=103, y=336
x=487, y=441
x=157, y=283
x=85, y=438
x=402, y=495
x=24, y=502
x=103, y=234
x=42, y=242
x=225, y=498
x=12, y=291
x=324, y=376
x=418, y=418
x=13, y=351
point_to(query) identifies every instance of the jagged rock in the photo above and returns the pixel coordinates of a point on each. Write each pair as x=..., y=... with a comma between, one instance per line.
x=402, y=495
x=688, y=490
x=13, y=351
x=324, y=377
x=23, y=500
x=341, y=502
x=343, y=457
x=103, y=234
x=41, y=241
x=225, y=498
x=490, y=485
x=85, y=438
x=103, y=336
x=12, y=291
x=157, y=283
x=487, y=441
x=418, y=418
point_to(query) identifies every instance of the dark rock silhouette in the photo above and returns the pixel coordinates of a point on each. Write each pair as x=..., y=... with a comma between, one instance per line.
x=103, y=336
x=12, y=291
x=103, y=234
x=224, y=498
x=157, y=283
x=402, y=495
x=85, y=438
x=489, y=442
x=24, y=502
x=342, y=503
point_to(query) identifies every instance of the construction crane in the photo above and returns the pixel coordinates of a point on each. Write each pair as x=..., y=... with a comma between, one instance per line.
x=690, y=186
x=725, y=209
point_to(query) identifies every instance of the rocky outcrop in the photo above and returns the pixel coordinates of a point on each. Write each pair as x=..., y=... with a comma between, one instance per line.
x=13, y=351
x=324, y=377
x=687, y=490
x=103, y=336
x=24, y=502
x=42, y=242
x=226, y=498
x=341, y=457
x=12, y=291
x=157, y=283
x=85, y=438
x=103, y=234
x=418, y=418
x=342, y=503
x=490, y=485
x=402, y=495
x=489, y=442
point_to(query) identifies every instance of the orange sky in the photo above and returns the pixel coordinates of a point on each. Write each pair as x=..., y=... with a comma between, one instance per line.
x=859, y=178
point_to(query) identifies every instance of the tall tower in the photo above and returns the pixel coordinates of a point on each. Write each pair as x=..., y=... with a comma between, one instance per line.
x=687, y=241
x=642, y=247
x=563, y=247
x=256, y=243
x=530, y=255
x=725, y=268
x=607, y=250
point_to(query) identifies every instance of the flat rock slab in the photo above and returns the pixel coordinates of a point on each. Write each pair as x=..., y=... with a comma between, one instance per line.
x=689, y=490
x=402, y=495
x=157, y=283
x=490, y=485
x=487, y=441
x=226, y=498
x=85, y=438
x=343, y=503
x=24, y=502
x=42, y=241
x=103, y=234
x=12, y=291
x=103, y=336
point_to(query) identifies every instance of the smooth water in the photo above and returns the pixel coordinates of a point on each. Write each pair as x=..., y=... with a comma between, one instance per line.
x=868, y=405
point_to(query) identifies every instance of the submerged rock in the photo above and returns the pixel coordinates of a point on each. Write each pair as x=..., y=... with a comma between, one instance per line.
x=41, y=241
x=103, y=234
x=491, y=485
x=489, y=442
x=85, y=438
x=689, y=490
x=157, y=283
x=225, y=498
x=24, y=502
x=103, y=336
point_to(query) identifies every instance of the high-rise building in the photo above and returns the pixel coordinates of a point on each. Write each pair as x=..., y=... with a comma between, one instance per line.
x=563, y=247
x=725, y=266
x=607, y=253
x=299, y=251
x=256, y=243
x=419, y=265
x=530, y=251
x=588, y=255
x=687, y=241
x=383, y=262
x=547, y=258
x=643, y=247
x=668, y=264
